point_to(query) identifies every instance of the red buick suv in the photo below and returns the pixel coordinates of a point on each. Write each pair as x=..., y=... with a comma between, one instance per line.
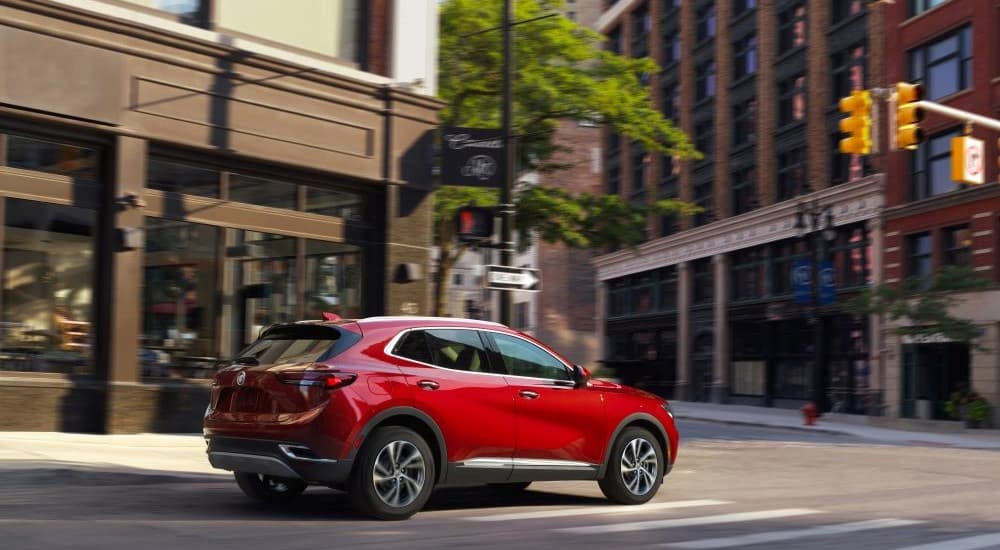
x=389, y=408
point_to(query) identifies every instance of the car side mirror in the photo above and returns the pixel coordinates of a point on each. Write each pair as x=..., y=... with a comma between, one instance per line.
x=580, y=376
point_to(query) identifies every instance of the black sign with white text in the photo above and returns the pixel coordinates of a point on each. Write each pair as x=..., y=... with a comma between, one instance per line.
x=472, y=157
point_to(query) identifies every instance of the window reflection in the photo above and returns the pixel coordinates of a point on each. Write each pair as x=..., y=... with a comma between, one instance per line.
x=330, y=202
x=76, y=162
x=333, y=279
x=179, y=307
x=262, y=192
x=182, y=178
x=48, y=259
x=265, y=274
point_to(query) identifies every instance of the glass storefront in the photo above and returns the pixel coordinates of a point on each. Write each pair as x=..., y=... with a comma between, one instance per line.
x=48, y=282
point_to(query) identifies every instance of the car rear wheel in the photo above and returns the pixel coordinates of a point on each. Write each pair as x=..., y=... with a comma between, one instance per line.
x=394, y=474
x=270, y=489
x=635, y=468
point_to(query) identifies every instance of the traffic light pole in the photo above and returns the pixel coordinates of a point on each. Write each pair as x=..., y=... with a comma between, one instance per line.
x=958, y=114
x=507, y=190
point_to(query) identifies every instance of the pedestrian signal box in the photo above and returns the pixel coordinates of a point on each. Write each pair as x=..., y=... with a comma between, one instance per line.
x=475, y=224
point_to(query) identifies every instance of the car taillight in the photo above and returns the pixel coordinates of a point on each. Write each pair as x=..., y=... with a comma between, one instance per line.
x=320, y=379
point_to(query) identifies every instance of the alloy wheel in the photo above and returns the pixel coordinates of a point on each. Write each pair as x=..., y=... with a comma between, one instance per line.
x=399, y=473
x=638, y=466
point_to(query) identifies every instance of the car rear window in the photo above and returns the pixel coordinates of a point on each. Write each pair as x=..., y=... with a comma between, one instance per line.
x=299, y=344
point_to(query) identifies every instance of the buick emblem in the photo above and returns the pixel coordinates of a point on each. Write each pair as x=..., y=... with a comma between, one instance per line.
x=241, y=378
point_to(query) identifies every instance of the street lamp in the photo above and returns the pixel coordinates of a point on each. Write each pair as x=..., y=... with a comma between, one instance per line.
x=814, y=225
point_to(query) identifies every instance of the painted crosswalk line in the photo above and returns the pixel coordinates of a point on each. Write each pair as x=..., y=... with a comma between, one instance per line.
x=687, y=522
x=602, y=510
x=991, y=540
x=792, y=534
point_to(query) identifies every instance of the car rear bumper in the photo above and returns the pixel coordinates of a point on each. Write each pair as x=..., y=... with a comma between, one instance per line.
x=275, y=458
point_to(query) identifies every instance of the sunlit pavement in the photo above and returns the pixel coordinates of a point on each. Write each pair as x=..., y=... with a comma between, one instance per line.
x=734, y=487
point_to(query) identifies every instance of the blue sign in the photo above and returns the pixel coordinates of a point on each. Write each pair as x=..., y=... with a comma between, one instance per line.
x=802, y=281
x=827, y=283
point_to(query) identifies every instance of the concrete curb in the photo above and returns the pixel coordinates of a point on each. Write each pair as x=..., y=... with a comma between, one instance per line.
x=87, y=474
x=810, y=429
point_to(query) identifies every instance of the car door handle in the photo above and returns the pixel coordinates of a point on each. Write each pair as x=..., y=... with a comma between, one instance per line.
x=428, y=384
x=528, y=394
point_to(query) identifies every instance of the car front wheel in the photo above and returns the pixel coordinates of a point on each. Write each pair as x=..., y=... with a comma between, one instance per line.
x=394, y=474
x=270, y=489
x=635, y=468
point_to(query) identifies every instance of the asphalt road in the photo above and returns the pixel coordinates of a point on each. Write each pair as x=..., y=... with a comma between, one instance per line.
x=734, y=487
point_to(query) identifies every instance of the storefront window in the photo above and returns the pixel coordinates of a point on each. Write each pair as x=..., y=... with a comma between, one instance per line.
x=330, y=202
x=263, y=192
x=333, y=279
x=51, y=157
x=265, y=291
x=180, y=311
x=48, y=275
x=174, y=177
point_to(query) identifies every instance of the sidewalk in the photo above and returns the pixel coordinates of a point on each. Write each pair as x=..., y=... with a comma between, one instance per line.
x=843, y=424
x=151, y=457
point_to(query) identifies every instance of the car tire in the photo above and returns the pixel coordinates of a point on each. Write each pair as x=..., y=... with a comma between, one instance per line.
x=269, y=489
x=635, y=468
x=393, y=475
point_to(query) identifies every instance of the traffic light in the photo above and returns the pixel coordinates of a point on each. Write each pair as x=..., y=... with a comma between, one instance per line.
x=909, y=134
x=858, y=123
x=475, y=224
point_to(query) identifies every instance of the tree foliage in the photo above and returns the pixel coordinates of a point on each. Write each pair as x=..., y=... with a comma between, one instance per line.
x=924, y=306
x=561, y=72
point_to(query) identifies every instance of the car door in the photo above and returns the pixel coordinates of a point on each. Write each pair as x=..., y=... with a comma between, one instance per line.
x=452, y=381
x=560, y=426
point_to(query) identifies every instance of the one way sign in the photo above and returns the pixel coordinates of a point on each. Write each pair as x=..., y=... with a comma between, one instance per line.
x=501, y=277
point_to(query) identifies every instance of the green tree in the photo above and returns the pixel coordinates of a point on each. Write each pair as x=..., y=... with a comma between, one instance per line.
x=562, y=72
x=924, y=306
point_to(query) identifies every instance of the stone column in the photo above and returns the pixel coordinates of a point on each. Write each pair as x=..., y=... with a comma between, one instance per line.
x=684, y=375
x=129, y=408
x=876, y=341
x=720, y=363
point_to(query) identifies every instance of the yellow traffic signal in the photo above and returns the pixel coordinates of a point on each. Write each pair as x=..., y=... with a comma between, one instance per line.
x=909, y=134
x=858, y=123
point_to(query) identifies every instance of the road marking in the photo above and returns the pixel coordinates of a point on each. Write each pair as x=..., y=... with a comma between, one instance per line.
x=603, y=510
x=967, y=543
x=791, y=534
x=687, y=522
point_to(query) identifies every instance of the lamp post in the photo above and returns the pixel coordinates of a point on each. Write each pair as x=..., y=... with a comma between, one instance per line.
x=814, y=224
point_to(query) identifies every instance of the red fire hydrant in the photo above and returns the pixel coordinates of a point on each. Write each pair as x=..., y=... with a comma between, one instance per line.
x=809, y=413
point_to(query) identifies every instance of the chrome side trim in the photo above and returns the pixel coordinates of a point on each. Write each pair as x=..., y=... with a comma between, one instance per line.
x=526, y=464
x=255, y=464
x=289, y=451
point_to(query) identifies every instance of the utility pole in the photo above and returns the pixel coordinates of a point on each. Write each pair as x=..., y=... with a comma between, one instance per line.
x=507, y=190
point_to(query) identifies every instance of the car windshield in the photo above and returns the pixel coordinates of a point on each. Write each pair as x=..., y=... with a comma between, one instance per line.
x=292, y=345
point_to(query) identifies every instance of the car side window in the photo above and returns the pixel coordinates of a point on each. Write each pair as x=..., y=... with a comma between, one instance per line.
x=455, y=349
x=414, y=346
x=522, y=358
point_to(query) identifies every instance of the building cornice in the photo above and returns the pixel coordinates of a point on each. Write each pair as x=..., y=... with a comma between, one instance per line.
x=613, y=14
x=853, y=202
x=963, y=196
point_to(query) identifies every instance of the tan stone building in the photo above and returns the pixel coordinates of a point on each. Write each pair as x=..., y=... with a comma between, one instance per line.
x=176, y=175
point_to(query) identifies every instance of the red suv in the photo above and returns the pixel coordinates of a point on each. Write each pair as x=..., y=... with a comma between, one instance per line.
x=387, y=408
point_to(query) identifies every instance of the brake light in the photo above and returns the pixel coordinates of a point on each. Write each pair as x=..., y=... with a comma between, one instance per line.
x=319, y=379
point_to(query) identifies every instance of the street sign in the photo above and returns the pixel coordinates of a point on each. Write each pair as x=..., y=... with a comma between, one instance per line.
x=501, y=277
x=967, y=160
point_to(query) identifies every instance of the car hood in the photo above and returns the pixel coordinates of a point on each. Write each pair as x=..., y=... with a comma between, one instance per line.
x=614, y=387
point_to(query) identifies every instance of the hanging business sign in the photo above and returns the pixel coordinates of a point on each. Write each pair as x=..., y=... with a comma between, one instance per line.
x=827, y=283
x=802, y=281
x=472, y=157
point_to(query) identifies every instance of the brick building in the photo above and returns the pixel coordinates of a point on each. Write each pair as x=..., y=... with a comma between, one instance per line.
x=952, y=48
x=174, y=175
x=707, y=309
